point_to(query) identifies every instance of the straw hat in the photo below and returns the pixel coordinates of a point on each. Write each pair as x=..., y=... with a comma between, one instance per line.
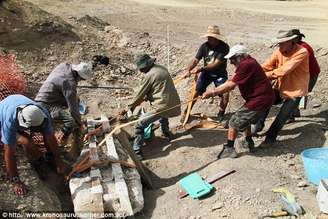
x=213, y=31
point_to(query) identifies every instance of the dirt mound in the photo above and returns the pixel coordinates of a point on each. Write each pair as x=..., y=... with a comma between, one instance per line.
x=24, y=26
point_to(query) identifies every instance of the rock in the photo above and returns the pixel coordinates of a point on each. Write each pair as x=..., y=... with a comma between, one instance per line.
x=246, y=199
x=290, y=163
x=217, y=206
x=52, y=58
x=316, y=105
x=123, y=70
x=21, y=206
x=296, y=177
x=302, y=184
x=192, y=217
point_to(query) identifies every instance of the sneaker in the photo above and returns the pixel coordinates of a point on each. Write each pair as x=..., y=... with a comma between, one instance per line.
x=255, y=128
x=139, y=154
x=290, y=120
x=269, y=140
x=220, y=116
x=227, y=152
x=248, y=144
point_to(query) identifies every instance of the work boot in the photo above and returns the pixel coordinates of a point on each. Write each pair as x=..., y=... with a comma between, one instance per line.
x=220, y=116
x=269, y=140
x=168, y=135
x=249, y=144
x=227, y=152
x=255, y=128
x=139, y=154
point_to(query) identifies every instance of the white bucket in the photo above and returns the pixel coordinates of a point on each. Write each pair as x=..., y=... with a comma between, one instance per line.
x=322, y=196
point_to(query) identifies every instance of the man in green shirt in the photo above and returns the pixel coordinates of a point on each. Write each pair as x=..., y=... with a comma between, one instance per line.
x=157, y=87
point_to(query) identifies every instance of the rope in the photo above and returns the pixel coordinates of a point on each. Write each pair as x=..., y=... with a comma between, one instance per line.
x=136, y=120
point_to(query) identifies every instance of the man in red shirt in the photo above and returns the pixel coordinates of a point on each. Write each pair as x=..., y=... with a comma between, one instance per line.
x=254, y=87
x=314, y=67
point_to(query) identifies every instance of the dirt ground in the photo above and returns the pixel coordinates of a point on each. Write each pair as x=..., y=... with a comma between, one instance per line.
x=123, y=28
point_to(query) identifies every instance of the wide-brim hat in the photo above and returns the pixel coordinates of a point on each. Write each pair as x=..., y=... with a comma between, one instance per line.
x=283, y=36
x=297, y=32
x=143, y=61
x=213, y=31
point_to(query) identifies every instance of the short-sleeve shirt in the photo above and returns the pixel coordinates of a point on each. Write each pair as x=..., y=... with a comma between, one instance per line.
x=209, y=54
x=8, y=118
x=253, y=84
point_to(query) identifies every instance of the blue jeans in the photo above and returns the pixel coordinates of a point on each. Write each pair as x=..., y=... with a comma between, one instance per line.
x=143, y=123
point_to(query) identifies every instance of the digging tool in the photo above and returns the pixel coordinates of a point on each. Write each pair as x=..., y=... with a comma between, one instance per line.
x=105, y=87
x=189, y=107
x=288, y=201
x=210, y=180
x=275, y=214
x=136, y=120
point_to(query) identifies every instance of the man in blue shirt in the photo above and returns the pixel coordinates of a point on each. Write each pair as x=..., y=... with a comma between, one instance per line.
x=19, y=115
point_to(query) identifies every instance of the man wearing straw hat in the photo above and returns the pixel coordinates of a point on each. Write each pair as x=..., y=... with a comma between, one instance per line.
x=157, y=87
x=254, y=87
x=214, y=70
x=289, y=67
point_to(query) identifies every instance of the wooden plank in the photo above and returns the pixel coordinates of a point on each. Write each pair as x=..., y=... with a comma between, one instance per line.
x=120, y=184
x=143, y=171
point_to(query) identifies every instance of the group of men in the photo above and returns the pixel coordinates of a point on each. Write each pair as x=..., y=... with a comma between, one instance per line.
x=21, y=117
x=285, y=77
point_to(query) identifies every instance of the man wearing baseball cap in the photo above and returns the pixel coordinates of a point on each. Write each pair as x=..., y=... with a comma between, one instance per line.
x=59, y=91
x=19, y=115
x=158, y=88
x=288, y=66
x=214, y=70
x=256, y=90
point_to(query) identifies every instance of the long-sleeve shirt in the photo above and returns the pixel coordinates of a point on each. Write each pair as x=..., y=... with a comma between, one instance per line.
x=314, y=67
x=157, y=86
x=60, y=90
x=291, y=71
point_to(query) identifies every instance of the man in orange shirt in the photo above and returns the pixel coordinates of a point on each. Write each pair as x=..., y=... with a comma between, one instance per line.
x=289, y=68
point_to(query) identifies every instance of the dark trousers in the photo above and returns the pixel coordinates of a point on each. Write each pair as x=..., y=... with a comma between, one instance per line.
x=287, y=108
x=143, y=123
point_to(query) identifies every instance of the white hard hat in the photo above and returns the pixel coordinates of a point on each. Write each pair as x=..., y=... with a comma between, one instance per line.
x=30, y=116
x=83, y=69
x=236, y=50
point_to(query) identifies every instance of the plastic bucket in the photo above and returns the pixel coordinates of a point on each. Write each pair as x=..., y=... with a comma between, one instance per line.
x=315, y=162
